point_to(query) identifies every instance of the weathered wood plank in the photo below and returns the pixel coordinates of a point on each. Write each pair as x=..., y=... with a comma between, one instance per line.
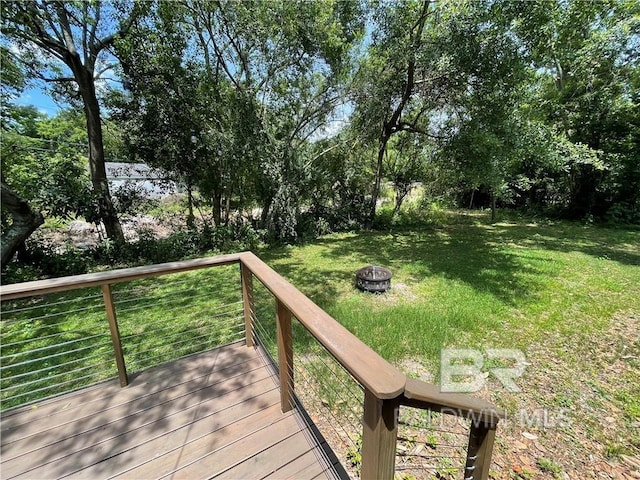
x=158, y=456
x=246, y=279
x=207, y=461
x=305, y=466
x=379, y=435
x=424, y=395
x=115, y=334
x=151, y=380
x=108, y=438
x=270, y=459
x=479, y=451
x=222, y=414
x=285, y=355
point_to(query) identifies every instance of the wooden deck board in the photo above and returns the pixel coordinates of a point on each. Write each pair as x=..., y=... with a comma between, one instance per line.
x=207, y=415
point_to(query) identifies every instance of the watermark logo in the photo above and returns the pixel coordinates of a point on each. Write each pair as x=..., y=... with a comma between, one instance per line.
x=461, y=369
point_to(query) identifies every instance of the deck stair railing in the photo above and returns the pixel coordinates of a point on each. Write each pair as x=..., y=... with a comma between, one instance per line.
x=378, y=421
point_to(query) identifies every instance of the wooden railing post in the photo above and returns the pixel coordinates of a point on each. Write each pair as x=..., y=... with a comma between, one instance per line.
x=379, y=436
x=285, y=355
x=481, y=439
x=246, y=278
x=115, y=334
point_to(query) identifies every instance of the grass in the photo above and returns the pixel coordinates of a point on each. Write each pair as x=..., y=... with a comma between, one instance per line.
x=470, y=283
x=564, y=293
x=551, y=289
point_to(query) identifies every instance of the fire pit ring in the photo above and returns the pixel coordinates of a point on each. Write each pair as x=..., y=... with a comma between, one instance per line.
x=373, y=279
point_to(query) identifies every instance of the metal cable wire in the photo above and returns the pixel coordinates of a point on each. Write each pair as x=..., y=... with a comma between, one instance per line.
x=75, y=380
x=50, y=377
x=201, y=316
x=168, y=302
x=52, y=315
x=260, y=330
x=338, y=395
x=49, y=347
x=34, y=339
x=39, y=359
x=48, y=305
x=229, y=322
x=59, y=365
x=123, y=294
x=165, y=345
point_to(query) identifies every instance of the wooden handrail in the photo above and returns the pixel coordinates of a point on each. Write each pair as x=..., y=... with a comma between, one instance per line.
x=367, y=367
x=41, y=287
x=423, y=395
x=386, y=388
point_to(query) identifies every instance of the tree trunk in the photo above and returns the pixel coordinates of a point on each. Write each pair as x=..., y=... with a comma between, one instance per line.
x=97, y=168
x=376, y=186
x=227, y=206
x=391, y=126
x=216, y=210
x=25, y=221
x=493, y=207
x=264, y=215
x=191, y=219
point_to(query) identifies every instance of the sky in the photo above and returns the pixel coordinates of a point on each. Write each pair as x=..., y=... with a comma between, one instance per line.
x=39, y=99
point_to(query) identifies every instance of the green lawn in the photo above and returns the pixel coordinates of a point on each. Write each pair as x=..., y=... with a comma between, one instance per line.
x=470, y=283
x=566, y=294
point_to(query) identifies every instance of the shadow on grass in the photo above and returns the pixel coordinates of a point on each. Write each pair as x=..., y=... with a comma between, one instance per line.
x=506, y=260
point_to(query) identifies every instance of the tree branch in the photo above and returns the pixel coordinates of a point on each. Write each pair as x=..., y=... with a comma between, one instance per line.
x=56, y=80
x=236, y=47
x=98, y=45
x=66, y=29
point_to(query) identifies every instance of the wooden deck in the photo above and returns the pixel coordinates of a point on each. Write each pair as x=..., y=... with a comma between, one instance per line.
x=212, y=415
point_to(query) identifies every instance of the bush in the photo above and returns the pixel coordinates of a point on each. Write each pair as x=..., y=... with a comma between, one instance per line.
x=623, y=214
x=44, y=259
x=185, y=243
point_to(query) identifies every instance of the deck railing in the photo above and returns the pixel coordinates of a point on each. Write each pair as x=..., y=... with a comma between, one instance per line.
x=389, y=399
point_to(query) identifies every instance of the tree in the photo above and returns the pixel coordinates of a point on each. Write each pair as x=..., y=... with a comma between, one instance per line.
x=405, y=165
x=427, y=67
x=249, y=90
x=62, y=43
x=389, y=77
x=585, y=65
x=24, y=222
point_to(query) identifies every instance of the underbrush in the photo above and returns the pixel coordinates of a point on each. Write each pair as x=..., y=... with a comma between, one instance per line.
x=44, y=258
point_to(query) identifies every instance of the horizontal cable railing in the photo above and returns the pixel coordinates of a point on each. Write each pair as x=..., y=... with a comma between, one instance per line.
x=431, y=444
x=328, y=393
x=51, y=344
x=61, y=334
x=379, y=422
x=165, y=318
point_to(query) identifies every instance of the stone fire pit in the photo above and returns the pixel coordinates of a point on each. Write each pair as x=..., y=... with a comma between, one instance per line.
x=373, y=279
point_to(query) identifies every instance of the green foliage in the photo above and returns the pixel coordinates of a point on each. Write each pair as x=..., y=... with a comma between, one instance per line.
x=43, y=160
x=241, y=102
x=354, y=454
x=47, y=259
x=13, y=79
x=549, y=466
x=186, y=243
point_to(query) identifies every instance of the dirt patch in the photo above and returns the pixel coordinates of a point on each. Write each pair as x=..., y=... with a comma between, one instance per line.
x=576, y=416
x=84, y=235
x=399, y=293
